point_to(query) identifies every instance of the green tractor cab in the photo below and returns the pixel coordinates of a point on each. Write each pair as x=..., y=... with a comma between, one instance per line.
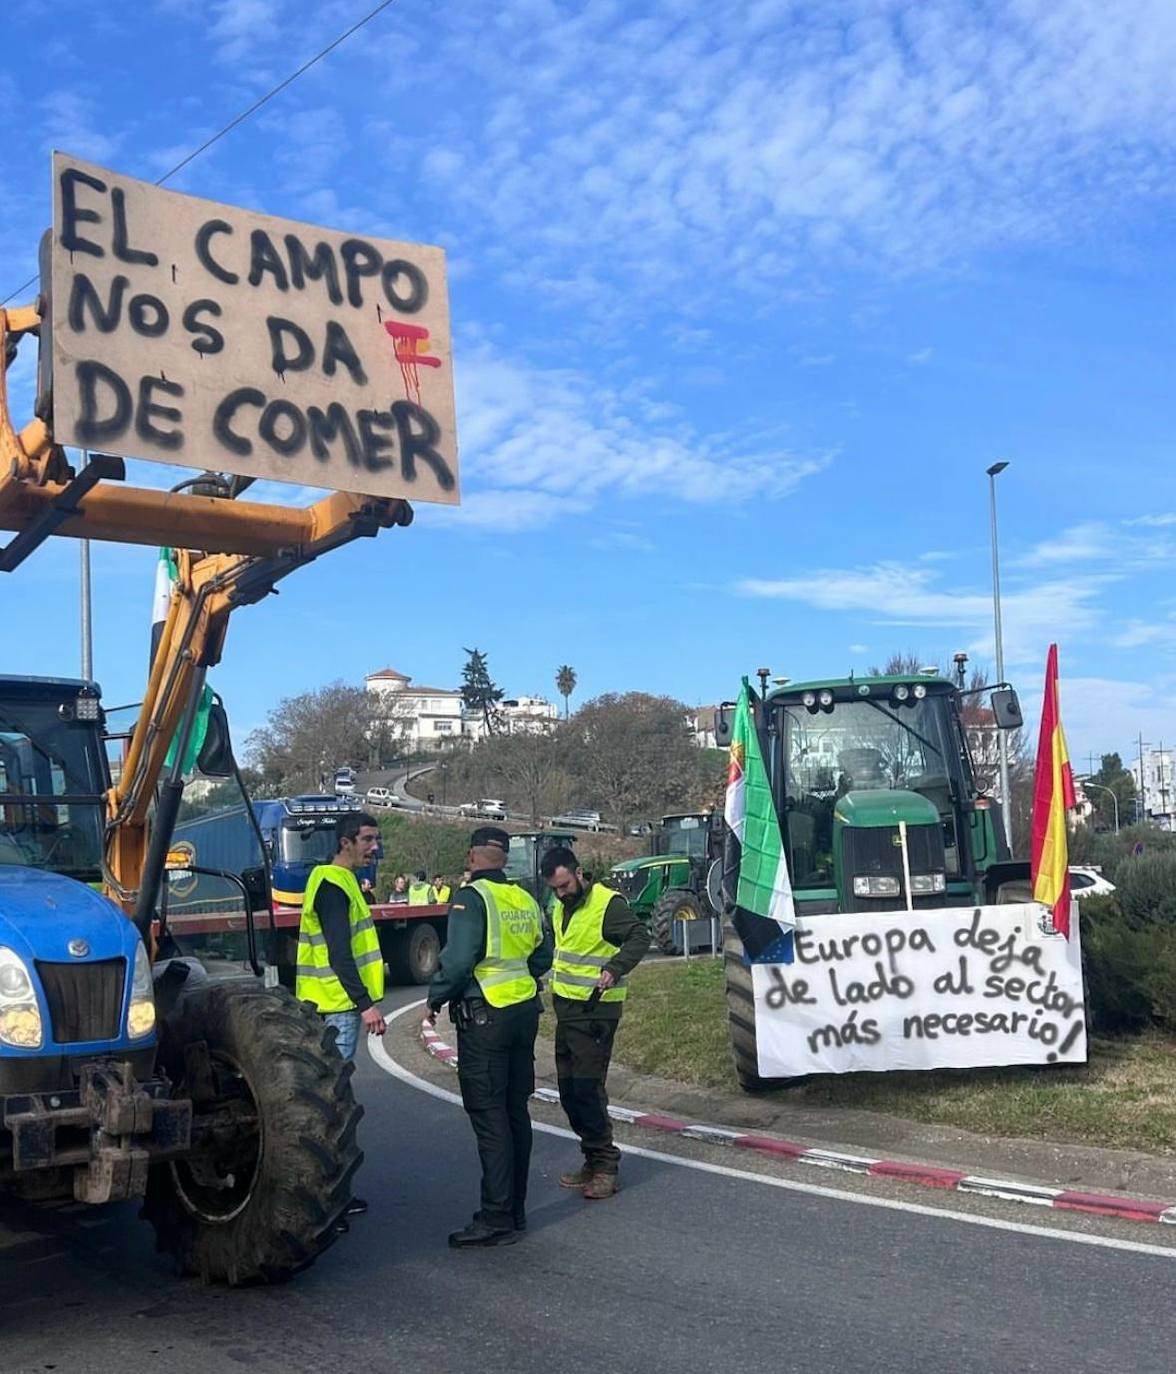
x=527, y=849
x=668, y=888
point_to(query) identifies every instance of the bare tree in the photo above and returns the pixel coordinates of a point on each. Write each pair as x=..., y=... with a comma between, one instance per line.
x=305, y=738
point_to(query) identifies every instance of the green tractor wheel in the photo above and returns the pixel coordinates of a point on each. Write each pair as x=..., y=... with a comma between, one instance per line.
x=741, y=1015
x=678, y=904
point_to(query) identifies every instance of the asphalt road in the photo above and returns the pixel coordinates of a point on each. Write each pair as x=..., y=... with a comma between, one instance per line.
x=685, y=1270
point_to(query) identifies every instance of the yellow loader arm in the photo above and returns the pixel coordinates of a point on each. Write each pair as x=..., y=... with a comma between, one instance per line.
x=229, y=553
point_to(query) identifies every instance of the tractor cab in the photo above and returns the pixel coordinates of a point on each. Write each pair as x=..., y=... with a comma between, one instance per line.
x=53, y=777
x=876, y=793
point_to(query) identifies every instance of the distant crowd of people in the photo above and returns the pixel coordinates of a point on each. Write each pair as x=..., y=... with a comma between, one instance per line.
x=417, y=890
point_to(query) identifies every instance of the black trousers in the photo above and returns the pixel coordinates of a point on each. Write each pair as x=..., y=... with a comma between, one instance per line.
x=496, y=1070
x=583, y=1049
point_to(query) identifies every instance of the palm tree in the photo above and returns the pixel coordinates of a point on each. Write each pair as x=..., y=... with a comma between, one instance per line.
x=565, y=684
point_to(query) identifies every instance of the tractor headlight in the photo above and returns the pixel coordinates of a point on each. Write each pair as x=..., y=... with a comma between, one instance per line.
x=826, y=698
x=901, y=692
x=20, y=1016
x=924, y=883
x=919, y=690
x=141, y=1012
x=809, y=700
x=865, y=886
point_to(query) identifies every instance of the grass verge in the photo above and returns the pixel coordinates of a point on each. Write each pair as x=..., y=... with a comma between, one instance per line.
x=675, y=1026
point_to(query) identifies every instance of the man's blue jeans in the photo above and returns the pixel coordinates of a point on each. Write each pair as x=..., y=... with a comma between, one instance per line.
x=347, y=1024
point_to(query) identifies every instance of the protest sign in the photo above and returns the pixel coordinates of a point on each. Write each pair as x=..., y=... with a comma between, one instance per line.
x=956, y=987
x=189, y=332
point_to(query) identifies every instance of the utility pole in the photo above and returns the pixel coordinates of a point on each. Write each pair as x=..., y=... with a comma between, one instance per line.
x=1006, y=800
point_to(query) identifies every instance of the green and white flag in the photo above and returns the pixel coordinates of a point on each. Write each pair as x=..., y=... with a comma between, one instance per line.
x=166, y=576
x=755, y=865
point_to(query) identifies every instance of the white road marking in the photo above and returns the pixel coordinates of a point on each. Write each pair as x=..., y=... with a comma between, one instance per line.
x=385, y=1061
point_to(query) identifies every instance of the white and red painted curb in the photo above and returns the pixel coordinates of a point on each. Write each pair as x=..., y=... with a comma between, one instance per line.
x=926, y=1175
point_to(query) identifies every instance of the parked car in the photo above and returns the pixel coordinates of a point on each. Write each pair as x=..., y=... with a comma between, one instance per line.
x=381, y=797
x=1087, y=880
x=488, y=808
x=580, y=818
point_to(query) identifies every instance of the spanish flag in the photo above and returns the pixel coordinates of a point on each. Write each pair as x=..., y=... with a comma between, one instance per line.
x=1053, y=796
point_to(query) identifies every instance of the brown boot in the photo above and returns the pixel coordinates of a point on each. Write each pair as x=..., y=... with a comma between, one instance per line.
x=579, y=1179
x=600, y=1186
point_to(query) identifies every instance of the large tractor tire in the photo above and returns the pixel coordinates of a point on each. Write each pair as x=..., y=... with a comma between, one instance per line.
x=677, y=904
x=741, y=1015
x=273, y=1153
x=414, y=954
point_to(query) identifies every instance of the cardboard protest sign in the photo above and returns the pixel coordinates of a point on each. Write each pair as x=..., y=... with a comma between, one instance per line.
x=200, y=334
x=953, y=988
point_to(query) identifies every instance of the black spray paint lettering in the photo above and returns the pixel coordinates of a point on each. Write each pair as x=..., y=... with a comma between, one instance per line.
x=146, y=314
x=295, y=267
x=782, y=993
x=896, y=985
x=109, y=407
x=948, y=983
x=73, y=214
x=293, y=350
x=893, y=942
x=849, y=1032
x=404, y=434
x=1001, y=949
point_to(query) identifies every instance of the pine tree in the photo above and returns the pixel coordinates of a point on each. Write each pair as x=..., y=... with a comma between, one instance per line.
x=479, y=692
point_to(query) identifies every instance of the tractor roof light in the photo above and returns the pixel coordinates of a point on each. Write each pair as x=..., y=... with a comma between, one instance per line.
x=920, y=690
x=901, y=692
x=826, y=697
x=809, y=700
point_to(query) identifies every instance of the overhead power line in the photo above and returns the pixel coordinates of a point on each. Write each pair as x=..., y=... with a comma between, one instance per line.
x=245, y=114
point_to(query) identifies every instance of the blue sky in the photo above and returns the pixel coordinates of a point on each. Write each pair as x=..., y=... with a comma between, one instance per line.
x=745, y=297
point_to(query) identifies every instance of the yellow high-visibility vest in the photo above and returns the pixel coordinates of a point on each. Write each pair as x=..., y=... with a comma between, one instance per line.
x=316, y=981
x=420, y=894
x=514, y=930
x=581, y=951
x=443, y=893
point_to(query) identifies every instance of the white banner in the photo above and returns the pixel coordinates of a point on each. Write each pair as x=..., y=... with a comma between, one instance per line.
x=959, y=987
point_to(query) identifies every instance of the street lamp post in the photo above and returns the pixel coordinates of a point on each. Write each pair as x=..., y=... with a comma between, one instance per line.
x=1098, y=786
x=1005, y=796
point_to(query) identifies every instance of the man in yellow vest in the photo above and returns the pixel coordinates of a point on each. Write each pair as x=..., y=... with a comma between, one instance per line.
x=441, y=889
x=420, y=891
x=340, y=969
x=496, y=949
x=598, y=942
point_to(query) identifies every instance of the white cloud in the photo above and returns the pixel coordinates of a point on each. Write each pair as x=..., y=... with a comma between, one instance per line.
x=1082, y=543
x=725, y=146
x=71, y=124
x=240, y=27
x=535, y=442
x=924, y=355
x=895, y=594
x=1155, y=521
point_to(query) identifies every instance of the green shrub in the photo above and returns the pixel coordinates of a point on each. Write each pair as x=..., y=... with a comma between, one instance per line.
x=1146, y=888
x=1129, y=967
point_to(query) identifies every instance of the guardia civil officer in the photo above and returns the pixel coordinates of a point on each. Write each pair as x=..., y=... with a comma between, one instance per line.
x=598, y=942
x=340, y=970
x=496, y=949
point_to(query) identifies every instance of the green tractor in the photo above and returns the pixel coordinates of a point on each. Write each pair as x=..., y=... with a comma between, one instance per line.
x=668, y=889
x=527, y=849
x=855, y=766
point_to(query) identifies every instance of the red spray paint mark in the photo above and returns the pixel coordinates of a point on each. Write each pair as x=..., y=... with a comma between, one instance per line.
x=408, y=341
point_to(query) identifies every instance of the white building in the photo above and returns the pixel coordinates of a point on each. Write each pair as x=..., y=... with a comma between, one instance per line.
x=516, y=716
x=1159, y=787
x=418, y=717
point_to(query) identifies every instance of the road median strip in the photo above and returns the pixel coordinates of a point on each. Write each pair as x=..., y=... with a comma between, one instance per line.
x=905, y=1171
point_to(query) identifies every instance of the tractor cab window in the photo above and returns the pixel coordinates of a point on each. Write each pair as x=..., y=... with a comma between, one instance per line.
x=51, y=789
x=685, y=835
x=864, y=745
x=520, y=859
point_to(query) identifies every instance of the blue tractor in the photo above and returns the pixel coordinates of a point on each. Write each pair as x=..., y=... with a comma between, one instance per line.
x=126, y=1073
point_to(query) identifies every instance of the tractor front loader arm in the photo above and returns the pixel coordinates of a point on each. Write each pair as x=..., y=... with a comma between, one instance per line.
x=229, y=553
